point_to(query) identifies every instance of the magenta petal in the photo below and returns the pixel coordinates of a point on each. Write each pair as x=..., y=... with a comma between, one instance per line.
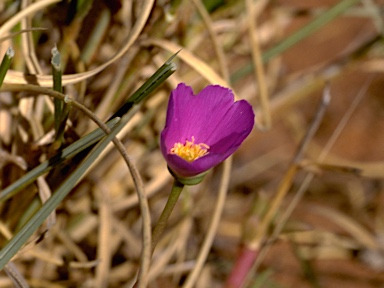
x=190, y=169
x=189, y=115
x=211, y=117
x=233, y=129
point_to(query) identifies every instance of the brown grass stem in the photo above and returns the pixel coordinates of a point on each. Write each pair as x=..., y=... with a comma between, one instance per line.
x=256, y=243
x=213, y=225
x=146, y=252
x=259, y=73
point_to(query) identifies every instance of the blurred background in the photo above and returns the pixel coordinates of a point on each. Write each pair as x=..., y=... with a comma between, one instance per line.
x=326, y=225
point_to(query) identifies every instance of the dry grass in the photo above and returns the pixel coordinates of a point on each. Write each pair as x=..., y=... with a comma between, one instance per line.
x=325, y=222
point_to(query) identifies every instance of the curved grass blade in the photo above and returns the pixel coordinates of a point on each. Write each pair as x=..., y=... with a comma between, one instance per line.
x=88, y=142
x=166, y=70
x=46, y=166
x=21, y=237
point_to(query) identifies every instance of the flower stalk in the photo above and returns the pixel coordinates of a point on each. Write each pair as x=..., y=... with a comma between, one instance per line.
x=177, y=187
x=61, y=109
x=200, y=132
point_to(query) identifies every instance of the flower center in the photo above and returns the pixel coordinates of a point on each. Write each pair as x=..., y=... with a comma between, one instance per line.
x=190, y=151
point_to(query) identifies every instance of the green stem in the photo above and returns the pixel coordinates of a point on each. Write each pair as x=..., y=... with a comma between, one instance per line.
x=6, y=63
x=163, y=220
x=60, y=119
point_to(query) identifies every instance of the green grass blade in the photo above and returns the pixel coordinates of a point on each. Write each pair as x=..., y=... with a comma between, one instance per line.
x=6, y=63
x=46, y=166
x=96, y=36
x=92, y=138
x=21, y=237
x=57, y=86
x=166, y=70
x=296, y=37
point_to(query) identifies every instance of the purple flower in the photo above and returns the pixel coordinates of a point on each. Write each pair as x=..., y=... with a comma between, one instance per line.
x=203, y=130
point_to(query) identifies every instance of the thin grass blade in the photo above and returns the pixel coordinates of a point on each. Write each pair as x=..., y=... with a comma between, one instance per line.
x=22, y=236
x=296, y=37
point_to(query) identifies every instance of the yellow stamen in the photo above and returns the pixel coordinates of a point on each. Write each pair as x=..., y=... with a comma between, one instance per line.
x=190, y=151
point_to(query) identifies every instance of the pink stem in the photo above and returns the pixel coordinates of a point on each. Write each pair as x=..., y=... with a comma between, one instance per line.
x=240, y=270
